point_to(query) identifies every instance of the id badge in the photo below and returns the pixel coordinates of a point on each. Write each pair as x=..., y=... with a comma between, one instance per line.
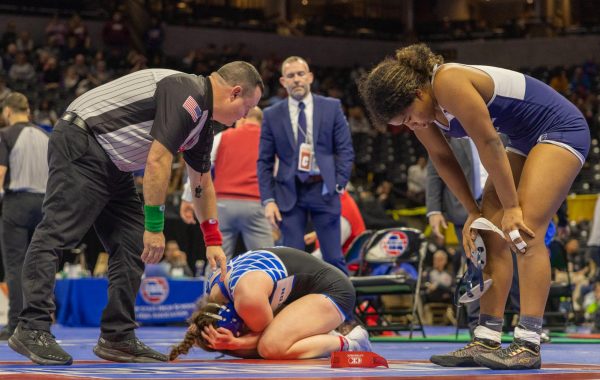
x=305, y=157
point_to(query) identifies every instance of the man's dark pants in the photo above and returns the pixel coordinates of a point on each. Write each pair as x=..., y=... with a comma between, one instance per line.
x=22, y=211
x=325, y=212
x=85, y=188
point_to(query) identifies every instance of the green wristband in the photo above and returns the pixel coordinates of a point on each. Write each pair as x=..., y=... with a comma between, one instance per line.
x=154, y=218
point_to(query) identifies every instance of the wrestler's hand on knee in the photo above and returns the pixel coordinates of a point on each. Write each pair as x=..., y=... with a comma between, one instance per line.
x=216, y=256
x=512, y=224
x=154, y=247
x=470, y=235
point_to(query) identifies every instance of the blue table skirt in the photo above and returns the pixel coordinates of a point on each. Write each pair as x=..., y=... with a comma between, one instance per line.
x=79, y=302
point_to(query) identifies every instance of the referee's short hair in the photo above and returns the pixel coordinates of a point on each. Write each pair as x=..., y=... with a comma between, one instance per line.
x=16, y=102
x=240, y=73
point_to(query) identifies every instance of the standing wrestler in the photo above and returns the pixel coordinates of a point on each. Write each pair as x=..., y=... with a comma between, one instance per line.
x=139, y=120
x=275, y=294
x=549, y=141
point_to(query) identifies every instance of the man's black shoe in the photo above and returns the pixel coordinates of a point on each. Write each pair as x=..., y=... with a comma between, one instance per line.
x=128, y=351
x=39, y=346
x=6, y=333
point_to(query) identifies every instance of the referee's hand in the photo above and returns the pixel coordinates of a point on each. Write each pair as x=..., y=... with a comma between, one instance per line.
x=216, y=258
x=154, y=247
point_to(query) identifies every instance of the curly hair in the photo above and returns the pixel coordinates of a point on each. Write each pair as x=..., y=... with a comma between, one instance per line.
x=390, y=87
x=198, y=321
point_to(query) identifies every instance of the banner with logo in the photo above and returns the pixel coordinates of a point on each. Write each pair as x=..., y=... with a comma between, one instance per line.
x=161, y=300
x=79, y=302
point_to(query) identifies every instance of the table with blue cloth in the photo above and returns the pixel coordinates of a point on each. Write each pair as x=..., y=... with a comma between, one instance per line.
x=79, y=302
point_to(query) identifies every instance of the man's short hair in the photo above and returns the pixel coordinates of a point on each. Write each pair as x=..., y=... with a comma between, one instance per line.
x=16, y=102
x=240, y=73
x=293, y=58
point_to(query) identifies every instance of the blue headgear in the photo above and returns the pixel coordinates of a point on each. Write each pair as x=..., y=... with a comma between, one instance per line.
x=472, y=286
x=227, y=317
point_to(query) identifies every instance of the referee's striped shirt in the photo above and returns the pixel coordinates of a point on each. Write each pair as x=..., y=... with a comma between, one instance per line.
x=24, y=152
x=128, y=113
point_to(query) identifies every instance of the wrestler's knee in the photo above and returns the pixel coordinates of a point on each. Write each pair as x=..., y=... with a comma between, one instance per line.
x=271, y=348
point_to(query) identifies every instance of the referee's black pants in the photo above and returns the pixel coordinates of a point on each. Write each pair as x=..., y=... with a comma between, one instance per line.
x=22, y=211
x=85, y=188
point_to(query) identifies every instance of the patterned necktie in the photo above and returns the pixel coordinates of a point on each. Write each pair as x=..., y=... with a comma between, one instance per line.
x=303, y=176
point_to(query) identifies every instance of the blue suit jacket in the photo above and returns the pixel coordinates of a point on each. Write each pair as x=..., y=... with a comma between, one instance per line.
x=333, y=150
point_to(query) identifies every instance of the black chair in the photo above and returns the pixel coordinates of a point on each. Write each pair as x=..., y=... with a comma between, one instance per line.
x=380, y=275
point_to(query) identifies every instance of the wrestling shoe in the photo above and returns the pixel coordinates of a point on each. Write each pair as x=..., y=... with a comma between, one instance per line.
x=128, y=351
x=39, y=346
x=358, y=340
x=464, y=357
x=521, y=354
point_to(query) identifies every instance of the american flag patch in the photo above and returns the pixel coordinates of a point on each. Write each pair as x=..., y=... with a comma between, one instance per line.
x=192, y=108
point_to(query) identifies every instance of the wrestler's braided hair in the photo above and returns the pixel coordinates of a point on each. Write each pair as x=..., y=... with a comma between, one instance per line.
x=197, y=321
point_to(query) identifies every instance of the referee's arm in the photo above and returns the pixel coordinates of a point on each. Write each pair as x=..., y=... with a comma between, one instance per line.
x=156, y=181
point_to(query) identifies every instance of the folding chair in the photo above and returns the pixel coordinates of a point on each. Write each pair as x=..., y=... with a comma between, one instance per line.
x=381, y=277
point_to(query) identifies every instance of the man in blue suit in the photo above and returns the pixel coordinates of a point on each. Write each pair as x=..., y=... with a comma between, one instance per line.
x=310, y=137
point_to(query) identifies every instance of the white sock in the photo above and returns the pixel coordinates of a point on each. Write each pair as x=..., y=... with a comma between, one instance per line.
x=483, y=332
x=527, y=335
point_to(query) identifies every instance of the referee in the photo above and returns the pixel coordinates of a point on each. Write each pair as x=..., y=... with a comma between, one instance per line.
x=23, y=176
x=134, y=122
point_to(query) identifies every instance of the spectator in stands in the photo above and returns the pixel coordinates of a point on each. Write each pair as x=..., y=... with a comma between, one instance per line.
x=385, y=195
x=531, y=177
x=50, y=75
x=417, y=180
x=22, y=72
x=233, y=157
x=580, y=269
x=99, y=74
x=25, y=43
x=80, y=66
x=78, y=30
x=310, y=136
x=176, y=260
x=56, y=31
x=115, y=35
x=439, y=280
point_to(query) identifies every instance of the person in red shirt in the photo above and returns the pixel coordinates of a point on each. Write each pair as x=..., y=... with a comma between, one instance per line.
x=233, y=157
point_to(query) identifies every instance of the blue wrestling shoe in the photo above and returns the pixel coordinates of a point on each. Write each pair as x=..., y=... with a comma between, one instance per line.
x=358, y=339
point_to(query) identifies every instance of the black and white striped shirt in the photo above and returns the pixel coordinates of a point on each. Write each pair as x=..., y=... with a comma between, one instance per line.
x=24, y=151
x=128, y=113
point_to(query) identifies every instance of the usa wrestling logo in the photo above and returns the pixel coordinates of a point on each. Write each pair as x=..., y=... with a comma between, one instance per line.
x=154, y=290
x=394, y=243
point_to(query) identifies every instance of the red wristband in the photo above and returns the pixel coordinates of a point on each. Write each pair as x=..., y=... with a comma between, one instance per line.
x=211, y=232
